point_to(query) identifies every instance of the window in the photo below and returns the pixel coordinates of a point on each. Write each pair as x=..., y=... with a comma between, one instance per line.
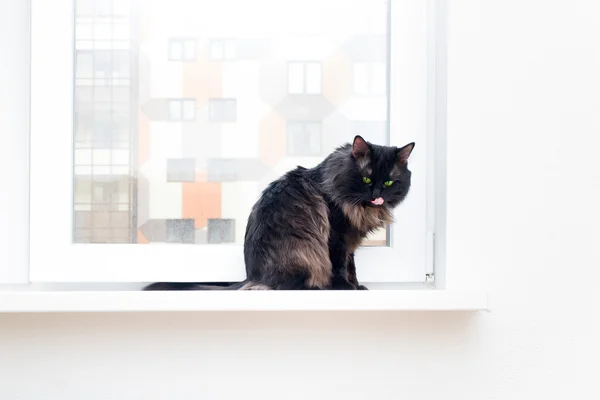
x=124, y=190
x=304, y=78
x=180, y=231
x=181, y=170
x=222, y=110
x=182, y=110
x=182, y=49
x=101, y=209
x=101, y=66
x=222, y=49
x=304, y=138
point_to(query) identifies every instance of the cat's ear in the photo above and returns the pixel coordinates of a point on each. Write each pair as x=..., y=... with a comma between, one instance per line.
x=404, y=153
x=360, y=148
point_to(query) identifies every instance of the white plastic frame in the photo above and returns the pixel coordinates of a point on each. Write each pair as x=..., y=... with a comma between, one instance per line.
x=54, y=258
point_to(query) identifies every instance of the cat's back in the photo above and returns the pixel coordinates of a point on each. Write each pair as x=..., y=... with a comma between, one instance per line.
x=295, y=189
x=291, y=205
x=287, y=233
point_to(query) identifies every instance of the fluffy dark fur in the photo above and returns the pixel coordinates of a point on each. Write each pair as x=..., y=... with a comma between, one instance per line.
x=304, y=229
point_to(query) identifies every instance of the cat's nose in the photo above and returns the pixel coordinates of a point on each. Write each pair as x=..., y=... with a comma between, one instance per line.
x=376, y=193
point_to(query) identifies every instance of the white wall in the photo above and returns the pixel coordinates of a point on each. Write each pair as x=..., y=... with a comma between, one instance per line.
x=524, y=190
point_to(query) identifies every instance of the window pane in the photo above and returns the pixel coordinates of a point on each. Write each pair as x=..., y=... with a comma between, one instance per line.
x=102, y=31
x=304, y=139
x=222, y=110
x=120, y=157
x=189, y=110
x=85, y=31
x=216, y=50
x=189, y=50
x=313, y=133
x=178, y=152
x=84, y=64
x=296, y=78
x=295, y=138
x=229, y=50
x=175, y=110
x=313, y=78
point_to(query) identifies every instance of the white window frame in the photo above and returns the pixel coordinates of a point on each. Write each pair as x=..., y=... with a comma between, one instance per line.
x=53, y=256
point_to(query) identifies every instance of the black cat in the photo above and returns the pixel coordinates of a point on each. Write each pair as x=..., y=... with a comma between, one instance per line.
x=304, y=229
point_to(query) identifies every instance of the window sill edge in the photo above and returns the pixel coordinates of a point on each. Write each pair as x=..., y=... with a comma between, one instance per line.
x=36, y=301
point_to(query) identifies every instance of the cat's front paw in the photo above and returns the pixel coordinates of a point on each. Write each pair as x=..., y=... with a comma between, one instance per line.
x=341, y=284
x=362, y=287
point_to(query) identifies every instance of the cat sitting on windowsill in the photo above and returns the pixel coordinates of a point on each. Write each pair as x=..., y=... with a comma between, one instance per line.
x=303, y=230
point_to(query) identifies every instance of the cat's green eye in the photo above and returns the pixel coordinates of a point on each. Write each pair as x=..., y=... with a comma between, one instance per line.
x=366, y=180
x=388, y=183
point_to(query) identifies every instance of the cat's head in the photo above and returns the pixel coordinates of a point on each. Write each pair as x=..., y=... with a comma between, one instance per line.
x=374, y=175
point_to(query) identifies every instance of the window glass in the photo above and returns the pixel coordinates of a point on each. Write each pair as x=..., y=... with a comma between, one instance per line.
x=178, y=152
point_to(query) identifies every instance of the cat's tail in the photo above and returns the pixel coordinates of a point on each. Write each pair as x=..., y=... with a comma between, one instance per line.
x=245, y=285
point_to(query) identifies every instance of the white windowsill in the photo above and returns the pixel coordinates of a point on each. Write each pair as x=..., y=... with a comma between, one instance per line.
x=136, y=301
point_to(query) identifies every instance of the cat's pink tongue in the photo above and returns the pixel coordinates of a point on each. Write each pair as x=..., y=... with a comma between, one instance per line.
x=378, y=201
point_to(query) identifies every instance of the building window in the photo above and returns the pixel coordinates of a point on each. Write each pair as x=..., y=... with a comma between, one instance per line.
x=182, y=109
x=222, y=49
x=221, y=231
x=180, y=231
x=304, y=139
x=304, y=77
x=222, y=110
x=370, y=78
x=182, y=49
x=181, y=170
x=102, y=67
